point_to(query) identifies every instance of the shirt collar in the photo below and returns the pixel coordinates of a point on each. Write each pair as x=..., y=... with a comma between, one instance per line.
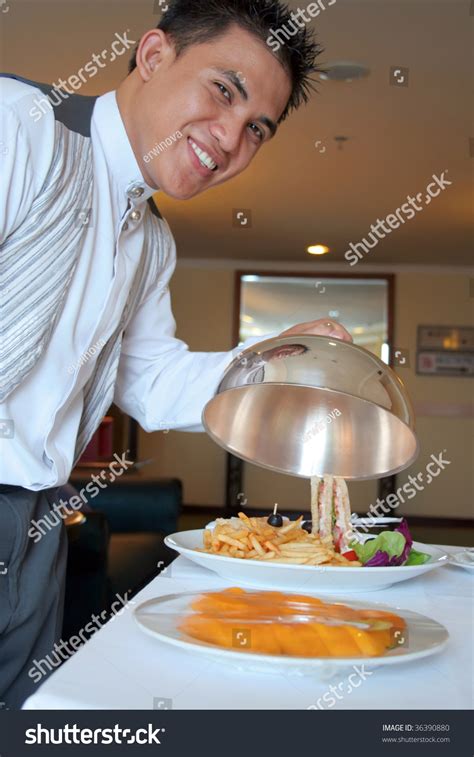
x=121, y=161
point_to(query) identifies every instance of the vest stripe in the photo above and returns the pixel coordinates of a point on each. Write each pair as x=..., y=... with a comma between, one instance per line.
x=38, y=260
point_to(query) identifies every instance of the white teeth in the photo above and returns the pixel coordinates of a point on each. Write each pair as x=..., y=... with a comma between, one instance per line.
x=204, y=158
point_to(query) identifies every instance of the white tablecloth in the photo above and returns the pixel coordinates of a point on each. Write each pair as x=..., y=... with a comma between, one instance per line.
x=122, y=668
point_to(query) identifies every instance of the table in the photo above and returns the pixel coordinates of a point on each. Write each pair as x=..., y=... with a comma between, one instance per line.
x=122, y=668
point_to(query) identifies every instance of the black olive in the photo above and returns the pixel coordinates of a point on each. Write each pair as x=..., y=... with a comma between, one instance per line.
x=275, y=520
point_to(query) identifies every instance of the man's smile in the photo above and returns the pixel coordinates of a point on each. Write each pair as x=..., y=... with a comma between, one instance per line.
x=202, y=158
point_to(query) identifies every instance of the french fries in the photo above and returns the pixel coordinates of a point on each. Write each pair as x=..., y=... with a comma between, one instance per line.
x=255, y=539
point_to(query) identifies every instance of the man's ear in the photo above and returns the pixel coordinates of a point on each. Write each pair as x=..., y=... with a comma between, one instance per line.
x=155, y=47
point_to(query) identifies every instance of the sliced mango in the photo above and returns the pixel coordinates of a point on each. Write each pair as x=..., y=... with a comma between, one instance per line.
x=291, y=624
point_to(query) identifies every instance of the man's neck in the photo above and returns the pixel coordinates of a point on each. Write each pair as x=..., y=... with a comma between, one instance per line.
x=125, y=97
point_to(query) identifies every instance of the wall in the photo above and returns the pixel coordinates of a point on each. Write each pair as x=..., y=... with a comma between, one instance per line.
x=441, y=298
x=203, y=309
x=203, y=306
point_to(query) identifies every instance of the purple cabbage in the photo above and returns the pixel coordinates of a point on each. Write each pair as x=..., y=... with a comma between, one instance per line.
x=381, y=559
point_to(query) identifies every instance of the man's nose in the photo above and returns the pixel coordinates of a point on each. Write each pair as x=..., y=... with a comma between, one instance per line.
x=228, y=132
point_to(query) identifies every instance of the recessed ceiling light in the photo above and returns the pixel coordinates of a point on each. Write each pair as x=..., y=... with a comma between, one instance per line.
x=345, y=71
x=318, y=249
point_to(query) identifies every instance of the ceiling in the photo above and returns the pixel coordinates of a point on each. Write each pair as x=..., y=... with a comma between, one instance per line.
x=299, y=193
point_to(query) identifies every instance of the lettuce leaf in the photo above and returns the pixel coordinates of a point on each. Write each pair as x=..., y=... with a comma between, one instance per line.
x=390, y=549
x=417, y=558
x=391, y=543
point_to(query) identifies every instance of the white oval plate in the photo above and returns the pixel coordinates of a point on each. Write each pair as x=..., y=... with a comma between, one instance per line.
x=160, y=618
x=319, y=578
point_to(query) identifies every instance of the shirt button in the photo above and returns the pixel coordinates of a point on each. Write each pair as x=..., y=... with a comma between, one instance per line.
x=135, y=191
x=135, y=215
x=125, y=226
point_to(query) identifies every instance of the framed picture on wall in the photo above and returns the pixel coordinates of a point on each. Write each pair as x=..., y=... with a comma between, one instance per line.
x=273, y=302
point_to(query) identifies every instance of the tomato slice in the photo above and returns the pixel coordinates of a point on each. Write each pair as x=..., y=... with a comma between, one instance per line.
x=350, y=555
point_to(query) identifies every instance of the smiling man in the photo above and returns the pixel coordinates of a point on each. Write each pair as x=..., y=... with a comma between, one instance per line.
x=85, y=262
x=225, y=104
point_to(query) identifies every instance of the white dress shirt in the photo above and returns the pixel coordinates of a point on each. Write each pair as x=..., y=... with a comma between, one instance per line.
x=160, y=382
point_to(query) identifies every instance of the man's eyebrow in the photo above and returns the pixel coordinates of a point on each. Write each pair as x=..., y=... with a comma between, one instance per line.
x=238, y=82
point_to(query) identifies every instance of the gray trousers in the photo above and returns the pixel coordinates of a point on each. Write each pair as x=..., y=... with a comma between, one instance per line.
x=32, y=583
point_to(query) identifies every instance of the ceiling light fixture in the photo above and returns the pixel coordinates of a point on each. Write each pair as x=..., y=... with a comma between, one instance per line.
x=344, y=71
x=317, y=249
x=340, y=141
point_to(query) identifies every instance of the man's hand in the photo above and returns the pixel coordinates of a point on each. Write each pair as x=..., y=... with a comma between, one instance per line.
x=322, y=327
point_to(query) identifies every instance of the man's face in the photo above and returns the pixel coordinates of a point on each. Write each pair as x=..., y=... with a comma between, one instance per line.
x=287, y=350
x=224, y=96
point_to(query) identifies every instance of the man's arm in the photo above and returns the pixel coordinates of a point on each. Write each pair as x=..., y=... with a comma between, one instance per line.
x=160, y=382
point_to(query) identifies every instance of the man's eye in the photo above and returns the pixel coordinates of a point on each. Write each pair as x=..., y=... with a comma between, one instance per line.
x=257, y=131
x=224, y=90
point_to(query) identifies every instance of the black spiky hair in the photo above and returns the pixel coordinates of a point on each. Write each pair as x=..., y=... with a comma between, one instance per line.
x=191, y=22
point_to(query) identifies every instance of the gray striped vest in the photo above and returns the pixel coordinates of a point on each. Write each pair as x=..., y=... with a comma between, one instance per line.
x=33, y=286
